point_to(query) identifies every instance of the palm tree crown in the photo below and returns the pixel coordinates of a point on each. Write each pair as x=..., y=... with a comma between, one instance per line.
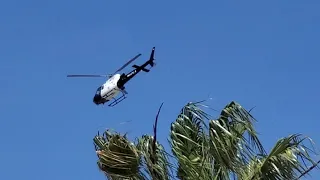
x=205, y=148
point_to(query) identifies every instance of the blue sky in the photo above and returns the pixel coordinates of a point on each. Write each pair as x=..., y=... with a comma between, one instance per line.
x=262, y=54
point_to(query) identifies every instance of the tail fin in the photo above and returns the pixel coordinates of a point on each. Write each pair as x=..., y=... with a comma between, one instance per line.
x=150, y=61
x=152, y=57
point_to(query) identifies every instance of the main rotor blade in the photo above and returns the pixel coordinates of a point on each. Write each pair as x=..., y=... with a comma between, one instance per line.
x=130, y=61
x=85, y=75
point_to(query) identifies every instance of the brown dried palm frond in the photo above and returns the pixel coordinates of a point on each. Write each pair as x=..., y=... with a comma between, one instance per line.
x=118, y=157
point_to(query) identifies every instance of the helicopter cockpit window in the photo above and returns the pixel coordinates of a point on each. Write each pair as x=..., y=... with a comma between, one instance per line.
x=98, y=90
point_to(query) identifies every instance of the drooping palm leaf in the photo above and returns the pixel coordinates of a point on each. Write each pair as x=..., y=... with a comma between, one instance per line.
x=233, y=140
x=288, y=159
x=189, y=143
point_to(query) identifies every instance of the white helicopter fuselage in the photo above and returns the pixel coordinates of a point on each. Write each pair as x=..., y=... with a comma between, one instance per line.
x=108, y=90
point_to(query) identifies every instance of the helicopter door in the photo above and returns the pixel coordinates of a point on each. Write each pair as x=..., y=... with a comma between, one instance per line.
x=109, y=86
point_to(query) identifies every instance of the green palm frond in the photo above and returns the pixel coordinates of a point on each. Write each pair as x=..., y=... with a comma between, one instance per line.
x=189, y=143
x=154, y=156
x=288, y=159
x=233, y=140
x=227, y=148
x=118, y=157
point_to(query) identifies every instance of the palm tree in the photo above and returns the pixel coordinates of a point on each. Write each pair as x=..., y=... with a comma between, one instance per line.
x=205, y=148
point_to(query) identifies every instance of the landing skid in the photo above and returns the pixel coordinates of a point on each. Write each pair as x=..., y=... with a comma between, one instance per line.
x=118, y=100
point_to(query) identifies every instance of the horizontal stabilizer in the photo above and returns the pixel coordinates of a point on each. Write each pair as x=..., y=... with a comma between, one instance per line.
x=142, y=68
x=136, y=66
x=145, y=70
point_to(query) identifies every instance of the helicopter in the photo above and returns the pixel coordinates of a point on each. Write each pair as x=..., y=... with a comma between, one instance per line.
x=115, y=83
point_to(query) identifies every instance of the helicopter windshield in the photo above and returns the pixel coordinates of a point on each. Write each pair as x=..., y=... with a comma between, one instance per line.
x=99, y=90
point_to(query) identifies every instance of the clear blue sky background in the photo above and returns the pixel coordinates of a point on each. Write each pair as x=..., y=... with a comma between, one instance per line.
x=263, y=54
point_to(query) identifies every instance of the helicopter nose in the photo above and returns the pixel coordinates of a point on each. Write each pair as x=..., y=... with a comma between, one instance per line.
x=96, y=99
